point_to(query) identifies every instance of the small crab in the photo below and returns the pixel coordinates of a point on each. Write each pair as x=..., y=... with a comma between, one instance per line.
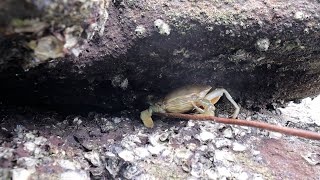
x=195, y=97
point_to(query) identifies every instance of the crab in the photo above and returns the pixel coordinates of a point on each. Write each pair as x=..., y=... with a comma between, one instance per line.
x=188, y=98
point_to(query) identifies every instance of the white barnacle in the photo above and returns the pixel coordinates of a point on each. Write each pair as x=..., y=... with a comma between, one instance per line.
x=162, y=27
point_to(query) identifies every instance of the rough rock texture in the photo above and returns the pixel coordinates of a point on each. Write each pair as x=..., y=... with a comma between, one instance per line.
x=47, y=145
x=261, y=51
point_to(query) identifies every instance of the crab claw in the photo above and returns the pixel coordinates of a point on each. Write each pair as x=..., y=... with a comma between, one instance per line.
x=146, y=118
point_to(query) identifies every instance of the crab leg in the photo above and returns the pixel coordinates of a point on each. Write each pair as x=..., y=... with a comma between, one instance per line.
x=215, y=95
x=146, y=118
x=208, y=107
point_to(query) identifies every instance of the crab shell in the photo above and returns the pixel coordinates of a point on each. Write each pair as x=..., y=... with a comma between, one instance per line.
x=180, y=100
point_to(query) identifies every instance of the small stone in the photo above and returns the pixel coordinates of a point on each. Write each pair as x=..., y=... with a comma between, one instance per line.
x=183, y=154
x=196, y=169
x=162, y=27
x=66, y=164
x=140, y=30
x=29, y=162
x=164, y=136
x=238, y=147
x=77, y=121
x=223, y=143
x=79, y=175
x=126, y=155
x=262, y=44
x=275, y=135
x=243, y=176
x=223, y=172
x=227, y=133
x=40, y=140
x=211, y=174
x=192, y=146
x=93, y=158
x=21, y=174
x=255, y=152
x=223, y=155
x=30, y=136
x=205, y=136
x=156, y=150
x=312, y=158
x=129, y=171
x=190, y=123
x=167, y=155
x=141, y=152
x=30, y=146
x=298, y=16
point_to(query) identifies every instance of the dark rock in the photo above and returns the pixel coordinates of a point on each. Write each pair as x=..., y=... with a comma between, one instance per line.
x=261, y=54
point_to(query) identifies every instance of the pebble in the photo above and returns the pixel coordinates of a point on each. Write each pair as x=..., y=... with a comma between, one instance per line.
x=238, y=147
x=66, y=164
x=223, y=155
x=298, y=16
x=126, y=155
x=223, y=143
x=211, y=174
x=40, y=140
x=156, y=150
x=30, y=146
x=227, y=133
x=29, y=162
x=21, y=174
x=183, y=154
x=129, y=171
x=243, y=176
x=312, y=158
x=141, y=152
x=275, y=135
x=196, y=169
x=93, y=157
x=223, y=172
x=78, y=175
x=205, y=136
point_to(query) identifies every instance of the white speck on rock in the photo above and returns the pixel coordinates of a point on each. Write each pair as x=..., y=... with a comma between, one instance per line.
x=211, y=174
x=40, y=140
x=21, y=174
x=275, y=135
x=223, y=143
x=223, y=172
x=30, y=146
x=190, y=123
x=79, y=175
x=156, y=150
x=162, y=27
x=183, y=154
x=243, y=176
x=66, y=164
x=227, y=133
x=93, y=157
x=312, y=158
x=299, y=16
x=223, y=155
x=238, y=147
x=140, y=30
x=263, y=44
x=205, y=136
x=141, y=152
x=126, y=155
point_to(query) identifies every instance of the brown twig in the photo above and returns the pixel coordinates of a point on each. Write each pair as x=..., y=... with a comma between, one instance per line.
x=261, y=125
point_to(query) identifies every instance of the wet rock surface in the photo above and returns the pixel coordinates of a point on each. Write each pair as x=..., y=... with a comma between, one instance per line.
x=53, y=146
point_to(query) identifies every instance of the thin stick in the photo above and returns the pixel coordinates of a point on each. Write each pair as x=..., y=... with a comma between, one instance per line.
x=261, y=125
